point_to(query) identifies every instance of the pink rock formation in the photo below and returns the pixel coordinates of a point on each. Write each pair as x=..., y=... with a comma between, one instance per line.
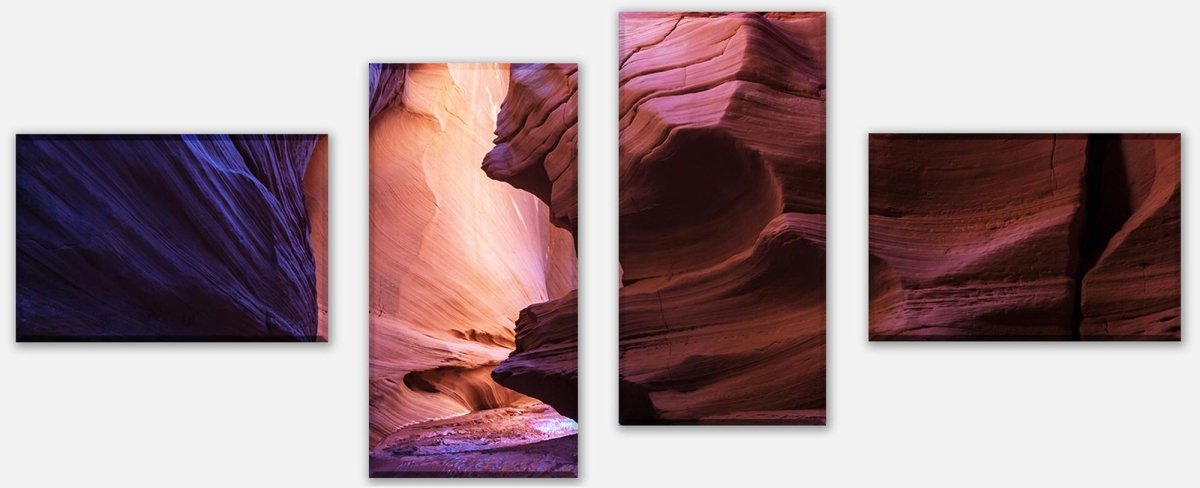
x=722, y=218
x=455, y=258
x=545, y=362
x=536, y=151
x=1132, y=288
x=316, y=198
x=536, y=138
x=987, y=237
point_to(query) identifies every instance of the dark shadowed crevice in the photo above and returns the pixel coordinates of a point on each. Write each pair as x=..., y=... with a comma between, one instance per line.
x=635, y=405
x=1108, y=202
x=1106, y=206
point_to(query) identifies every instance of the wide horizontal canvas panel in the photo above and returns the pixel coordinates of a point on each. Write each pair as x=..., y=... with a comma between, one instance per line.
x=1007, y=237
x=161, y=237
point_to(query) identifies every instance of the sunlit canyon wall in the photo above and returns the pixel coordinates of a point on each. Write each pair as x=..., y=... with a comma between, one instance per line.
x=722, y=218
x=170, y=238
x=1025, y=236
x=473, y=270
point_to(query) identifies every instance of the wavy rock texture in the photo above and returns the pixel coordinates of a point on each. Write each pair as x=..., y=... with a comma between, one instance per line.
x=387, y=83
x=1024, y=237
x=545, y=362
x=455, y=258
x=167, y=238
x=722, y=207
x=536, y=134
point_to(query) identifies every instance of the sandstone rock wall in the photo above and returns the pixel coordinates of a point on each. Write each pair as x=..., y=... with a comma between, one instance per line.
x=1024, y=237
x=536, y=151
x=455, y=255
x=722, y=203
x=166, y=238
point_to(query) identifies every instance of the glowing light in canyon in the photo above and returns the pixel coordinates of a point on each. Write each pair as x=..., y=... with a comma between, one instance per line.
x=455, y=258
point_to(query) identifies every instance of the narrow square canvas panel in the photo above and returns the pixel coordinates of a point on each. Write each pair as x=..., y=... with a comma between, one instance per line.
x=722, y=218
x=1023, y=237
x=163, y=238
x=473, y=360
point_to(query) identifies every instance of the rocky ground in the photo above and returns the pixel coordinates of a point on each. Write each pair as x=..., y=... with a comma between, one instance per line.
x=521, y=441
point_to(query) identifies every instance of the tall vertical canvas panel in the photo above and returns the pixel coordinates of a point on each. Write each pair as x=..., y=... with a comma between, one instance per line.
x=1013, y=237
x=165, y=237
x=473, y=360
x=722, y=218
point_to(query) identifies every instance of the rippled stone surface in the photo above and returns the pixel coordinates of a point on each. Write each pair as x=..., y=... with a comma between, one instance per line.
x=722, y=208
x=171, y=238
x=1024, y=236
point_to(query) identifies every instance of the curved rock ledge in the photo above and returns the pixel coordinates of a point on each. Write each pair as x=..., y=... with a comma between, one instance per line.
x=722, y=128
x=536, y=133
x=545, y=362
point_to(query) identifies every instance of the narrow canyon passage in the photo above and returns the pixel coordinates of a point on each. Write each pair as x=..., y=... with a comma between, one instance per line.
x=455, y=258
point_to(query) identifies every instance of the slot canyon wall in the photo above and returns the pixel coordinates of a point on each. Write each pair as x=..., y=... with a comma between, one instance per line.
x=169, y=237
x=472, y=277
x=1025, y=236
x=316, y=201
x=722, y=218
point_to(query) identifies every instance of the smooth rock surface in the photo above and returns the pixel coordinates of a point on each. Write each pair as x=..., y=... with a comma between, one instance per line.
x=1132, y=290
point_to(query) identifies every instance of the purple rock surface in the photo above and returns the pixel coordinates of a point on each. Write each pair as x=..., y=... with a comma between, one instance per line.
x=164, y=238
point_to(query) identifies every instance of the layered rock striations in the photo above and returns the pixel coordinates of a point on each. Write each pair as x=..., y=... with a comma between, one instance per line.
x=545, y=361
x=722, y=203
x=1024, y=237
x=536, y=151
x=166, y=238
x=456, y=259
x=536, y=134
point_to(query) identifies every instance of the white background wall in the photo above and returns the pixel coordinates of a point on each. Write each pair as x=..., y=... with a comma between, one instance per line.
x=153, y=415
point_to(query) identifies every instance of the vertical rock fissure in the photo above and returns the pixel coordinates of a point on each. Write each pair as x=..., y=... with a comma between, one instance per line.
x=1105, y=207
